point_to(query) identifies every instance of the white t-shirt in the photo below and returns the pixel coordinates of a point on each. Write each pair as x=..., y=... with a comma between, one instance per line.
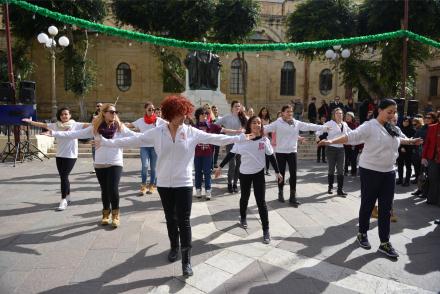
x=66, y=147
x=253, y=153
x=143, y=127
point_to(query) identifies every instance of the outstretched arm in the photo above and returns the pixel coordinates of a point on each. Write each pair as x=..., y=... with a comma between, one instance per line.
x=35, y=123
x=132, y=139
x=80, y=134
x=217, y=139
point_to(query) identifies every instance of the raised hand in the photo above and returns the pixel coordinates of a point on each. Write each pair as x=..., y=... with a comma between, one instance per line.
x=418, y=141
x=27, y=120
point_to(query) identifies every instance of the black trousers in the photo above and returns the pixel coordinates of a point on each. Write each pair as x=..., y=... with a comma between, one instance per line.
x=234, y=167
x=404, y=159
x=351, y=154
x=376, y=186
x=290, y=159
x=320, y=152
x=65, y=166
x=177, y=204
x=109, y=178
x=259, y=184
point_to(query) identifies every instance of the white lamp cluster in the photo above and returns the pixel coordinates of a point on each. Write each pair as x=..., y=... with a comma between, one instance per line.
x=49, y=42
x=337, y=52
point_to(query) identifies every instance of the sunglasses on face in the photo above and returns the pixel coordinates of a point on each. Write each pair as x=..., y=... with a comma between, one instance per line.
x=150, y=109
x=112, y=111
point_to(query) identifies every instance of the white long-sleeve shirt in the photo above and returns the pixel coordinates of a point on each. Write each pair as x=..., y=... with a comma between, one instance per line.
x=287, y=135
x=174, y=158
x=103, y=155
x=66, y=147
x=380, y=148
x=335, y=131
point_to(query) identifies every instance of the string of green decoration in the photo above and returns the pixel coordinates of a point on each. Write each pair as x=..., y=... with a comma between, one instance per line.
x=218, y=47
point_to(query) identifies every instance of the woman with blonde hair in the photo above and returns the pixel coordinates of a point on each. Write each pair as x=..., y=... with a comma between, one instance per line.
x=108, y=160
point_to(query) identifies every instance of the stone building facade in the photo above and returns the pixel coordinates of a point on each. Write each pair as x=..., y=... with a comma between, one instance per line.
x=274, y=78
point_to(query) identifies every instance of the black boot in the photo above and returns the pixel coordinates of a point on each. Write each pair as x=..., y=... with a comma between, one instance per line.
x=173, y=254
x=331, y=180
x=340, y=186
x=230, y=188
x=292, y=199
x=280, y=195
x=186, y=262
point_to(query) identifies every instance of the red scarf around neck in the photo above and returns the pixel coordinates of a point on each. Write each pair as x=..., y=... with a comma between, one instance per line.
x=150, y=119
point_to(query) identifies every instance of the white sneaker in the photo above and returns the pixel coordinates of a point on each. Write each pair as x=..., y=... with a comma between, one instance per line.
x=199, y=193
x=63, y=205
x=208, y=195
x=69, y=200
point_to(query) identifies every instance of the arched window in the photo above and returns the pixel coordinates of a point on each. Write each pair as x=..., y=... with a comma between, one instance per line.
x=123, y=76
x=236, y=86
x=325, y=81
x=288, y=72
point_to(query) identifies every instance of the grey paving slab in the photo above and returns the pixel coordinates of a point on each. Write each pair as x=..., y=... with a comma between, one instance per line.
x=44, y=251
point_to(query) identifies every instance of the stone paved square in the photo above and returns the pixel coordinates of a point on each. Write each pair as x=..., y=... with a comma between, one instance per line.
x=313, y=247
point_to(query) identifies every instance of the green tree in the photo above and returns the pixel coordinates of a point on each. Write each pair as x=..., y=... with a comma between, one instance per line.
x=376, y=70
x=79, y=68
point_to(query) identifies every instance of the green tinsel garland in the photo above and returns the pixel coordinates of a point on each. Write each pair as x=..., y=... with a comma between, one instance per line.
x=218, y=47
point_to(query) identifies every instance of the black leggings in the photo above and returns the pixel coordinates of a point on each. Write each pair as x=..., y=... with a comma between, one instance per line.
x=259, y=191
x=65, y=166
x=108, y=179
x=177, y=204
x=351, y=154
x=290, y=159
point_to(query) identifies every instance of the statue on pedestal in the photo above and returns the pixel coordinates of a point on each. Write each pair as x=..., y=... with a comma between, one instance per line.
x=203, y=70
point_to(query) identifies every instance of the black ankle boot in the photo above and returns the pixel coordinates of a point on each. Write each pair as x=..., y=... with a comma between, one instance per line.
x=280, y=195
x=186, y=262
x=292, y=199
x=331, y=180
x=340, y=186
x=173, y=254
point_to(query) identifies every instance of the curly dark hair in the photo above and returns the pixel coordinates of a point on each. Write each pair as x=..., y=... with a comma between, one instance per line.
x=175, y=105
x=59, y=111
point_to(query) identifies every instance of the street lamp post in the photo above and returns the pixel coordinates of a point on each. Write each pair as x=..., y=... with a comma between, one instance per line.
x=334, y=55
x=50, y=43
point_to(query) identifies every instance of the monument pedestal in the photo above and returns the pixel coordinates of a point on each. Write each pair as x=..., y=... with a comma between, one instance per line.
x=201, y=97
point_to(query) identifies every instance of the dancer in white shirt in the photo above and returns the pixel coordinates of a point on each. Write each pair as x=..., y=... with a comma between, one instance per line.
x=175, y=145
x=377, y=171
x=253, y=160
x=67, y=150
x=287, y=132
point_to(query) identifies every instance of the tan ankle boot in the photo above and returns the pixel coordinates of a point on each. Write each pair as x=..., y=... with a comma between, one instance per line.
x=143, y=190
x=393, y=217
x=375, y=212
x=115, y=218
x=105, y=217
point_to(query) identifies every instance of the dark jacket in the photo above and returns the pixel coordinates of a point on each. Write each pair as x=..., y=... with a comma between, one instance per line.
x=311, y=112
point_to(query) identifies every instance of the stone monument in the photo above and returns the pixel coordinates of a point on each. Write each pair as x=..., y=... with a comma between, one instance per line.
x=202, y=83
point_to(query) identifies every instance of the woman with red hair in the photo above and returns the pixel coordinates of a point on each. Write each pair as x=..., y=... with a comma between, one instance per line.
x=175, y=144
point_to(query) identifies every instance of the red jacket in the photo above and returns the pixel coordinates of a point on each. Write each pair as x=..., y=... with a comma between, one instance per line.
x=431, y=146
